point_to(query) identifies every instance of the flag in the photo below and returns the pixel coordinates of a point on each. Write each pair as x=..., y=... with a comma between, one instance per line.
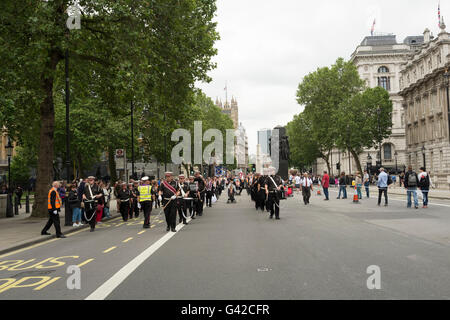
x=373, y=27
x=439, y=14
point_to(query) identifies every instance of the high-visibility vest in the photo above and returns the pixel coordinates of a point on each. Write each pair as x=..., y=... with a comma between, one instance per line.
x=145, y=193
x=57, y=200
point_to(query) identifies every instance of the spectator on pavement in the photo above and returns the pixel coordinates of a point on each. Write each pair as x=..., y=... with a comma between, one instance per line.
x=411, y=184
x=358, y=183
x=424, y=185
x=325, y=184
x=74, y=205
x=366, y=182
x=19, y=193
x=382, y=184
x=342, y=186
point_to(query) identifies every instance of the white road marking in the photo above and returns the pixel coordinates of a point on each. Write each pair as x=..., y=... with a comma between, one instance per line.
x=106, y=288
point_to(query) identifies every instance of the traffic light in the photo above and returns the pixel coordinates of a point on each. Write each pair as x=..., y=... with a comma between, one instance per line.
x=253, y=167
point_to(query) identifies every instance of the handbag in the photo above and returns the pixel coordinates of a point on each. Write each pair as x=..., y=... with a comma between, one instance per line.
x=214, y=199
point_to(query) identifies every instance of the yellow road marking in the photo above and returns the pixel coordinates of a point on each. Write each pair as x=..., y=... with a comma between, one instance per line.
x=85, y=262
x=152, y=226
x=126, y=240
x=110, y=249
x=47, y=283
x=27, y=248
x=142, y=232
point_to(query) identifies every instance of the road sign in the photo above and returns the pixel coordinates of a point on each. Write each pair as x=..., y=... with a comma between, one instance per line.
x=119, y=153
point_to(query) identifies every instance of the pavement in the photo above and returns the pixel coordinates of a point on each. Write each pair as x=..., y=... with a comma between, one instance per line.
x=320, y=251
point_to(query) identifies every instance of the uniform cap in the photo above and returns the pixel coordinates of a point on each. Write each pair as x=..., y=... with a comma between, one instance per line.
x=145, y=178
x=168, y=173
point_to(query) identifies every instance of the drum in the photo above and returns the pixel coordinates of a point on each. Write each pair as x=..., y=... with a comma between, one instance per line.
x=89, y=205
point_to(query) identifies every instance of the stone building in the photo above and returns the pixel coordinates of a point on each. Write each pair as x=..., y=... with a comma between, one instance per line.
x=378, y=60
x=230, y=109
x=424, y=89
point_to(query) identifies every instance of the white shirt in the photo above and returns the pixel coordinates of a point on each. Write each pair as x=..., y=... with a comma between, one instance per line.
x=306, y=182
x=297, y=180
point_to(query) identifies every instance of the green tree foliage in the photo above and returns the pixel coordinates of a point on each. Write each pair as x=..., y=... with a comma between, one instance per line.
x=339, y=112
x=151, y=52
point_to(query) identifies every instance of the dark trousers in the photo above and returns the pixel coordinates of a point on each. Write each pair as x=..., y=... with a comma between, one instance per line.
x=171, y=213
x=274, y=204
x=200, y=204
x=92, y=215
x=53, y=219
x=209, y=195
x=135, y=209
x=306, y=191
x=190, y=206
x=147, y=208
x=182, y=209
x=380, y=192
x=261, y=199
x=124, y=209
x=325, y=192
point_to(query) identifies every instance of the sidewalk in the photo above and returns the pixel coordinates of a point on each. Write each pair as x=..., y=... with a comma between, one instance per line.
x=433, y=194
x=22, y=231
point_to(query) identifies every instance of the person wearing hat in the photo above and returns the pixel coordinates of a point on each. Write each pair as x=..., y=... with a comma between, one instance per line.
x=145, y=198
x=135, y=205
x=184, y=193
x=124, y=196
x=191, y=204
x=90, y=196
x=272, y=188
x=261, y=197
x=168, y=193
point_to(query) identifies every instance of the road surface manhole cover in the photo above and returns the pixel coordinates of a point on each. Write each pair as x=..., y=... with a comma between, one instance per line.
x=264, y=269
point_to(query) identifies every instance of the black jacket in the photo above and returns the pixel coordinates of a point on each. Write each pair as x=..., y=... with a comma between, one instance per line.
x=424, y=183
x=406, y=183
x=73, y=199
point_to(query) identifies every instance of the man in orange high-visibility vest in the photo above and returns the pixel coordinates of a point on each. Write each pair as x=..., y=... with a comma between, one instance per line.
x=54, y=206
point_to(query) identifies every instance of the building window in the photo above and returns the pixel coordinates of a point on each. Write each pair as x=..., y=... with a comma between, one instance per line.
x=385, y=83
x=383, y=69
x=387, y=151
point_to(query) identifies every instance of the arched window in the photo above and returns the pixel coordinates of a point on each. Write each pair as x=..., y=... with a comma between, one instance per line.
x=384, y=82
x=387, y=151
x=383, y=69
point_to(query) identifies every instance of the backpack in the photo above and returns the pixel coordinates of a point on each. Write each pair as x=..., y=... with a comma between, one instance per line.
x=389, y=181
x=412, y=179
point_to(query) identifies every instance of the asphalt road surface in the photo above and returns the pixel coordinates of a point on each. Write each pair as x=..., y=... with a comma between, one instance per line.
x=321, y=251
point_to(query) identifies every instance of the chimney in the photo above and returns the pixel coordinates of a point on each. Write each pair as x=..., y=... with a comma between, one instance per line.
x=426, y=35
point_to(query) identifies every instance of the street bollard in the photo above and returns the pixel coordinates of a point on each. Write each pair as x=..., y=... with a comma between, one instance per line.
x=16, y=206
x=9, y=207
x=67, y=213
x=27, y=204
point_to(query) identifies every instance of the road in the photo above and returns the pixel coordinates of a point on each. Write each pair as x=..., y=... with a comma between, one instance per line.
x=235, y=252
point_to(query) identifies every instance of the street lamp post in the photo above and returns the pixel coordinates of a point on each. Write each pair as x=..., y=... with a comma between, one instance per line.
x=165, y=146
x=446, y=79
x=423, y=154
x=132, y=142
x=395, y=155
x=9, y=207
x=379, y=132
x=369, y=163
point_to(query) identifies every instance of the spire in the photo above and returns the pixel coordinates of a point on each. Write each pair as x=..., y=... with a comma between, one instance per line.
x=442, y=25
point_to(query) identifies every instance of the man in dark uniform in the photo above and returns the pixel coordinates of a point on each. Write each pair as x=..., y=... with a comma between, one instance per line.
x=193, y=194
x=168, y=193
x=124, y=196
x=134, y=204
x=54, y=206
x=182, y=203
x=202, y=191
x=273, y=187
x=90, y=196
x=261, y=196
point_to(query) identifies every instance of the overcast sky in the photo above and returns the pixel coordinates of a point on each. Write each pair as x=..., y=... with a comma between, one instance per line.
x=267, y=47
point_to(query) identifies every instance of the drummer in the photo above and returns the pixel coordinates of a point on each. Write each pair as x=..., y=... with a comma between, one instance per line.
x=182, y=198
x=190, y=201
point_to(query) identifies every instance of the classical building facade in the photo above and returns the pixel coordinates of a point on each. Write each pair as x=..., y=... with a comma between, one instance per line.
x=379, y=60
x=424, y=89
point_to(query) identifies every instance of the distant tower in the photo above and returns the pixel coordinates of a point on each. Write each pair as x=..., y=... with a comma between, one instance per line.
x=230, y=109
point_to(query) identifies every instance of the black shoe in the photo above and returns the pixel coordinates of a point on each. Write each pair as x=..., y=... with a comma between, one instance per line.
x=179, y=221
x=168, y=229
x=277, y=218
x=193, y=218
x=173, y=230
x=416, y=207
x=185, y=222
x=271, y=216
x=92, y=230
x=385, y=204
x=61, y=236
x=45, y=234
x=146, y=226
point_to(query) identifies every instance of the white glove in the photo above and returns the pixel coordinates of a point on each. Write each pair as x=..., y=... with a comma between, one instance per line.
x=159, y=198
x=173, y=197
x=55, y=212
x=139, y=205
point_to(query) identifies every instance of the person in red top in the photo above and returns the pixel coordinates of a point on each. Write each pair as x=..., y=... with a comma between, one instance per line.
x=326, y=184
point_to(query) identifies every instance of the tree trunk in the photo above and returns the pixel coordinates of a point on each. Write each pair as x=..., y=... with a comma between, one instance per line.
x=46, y=152
x=327, y=161
x=356, y=157
x=112, y=165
